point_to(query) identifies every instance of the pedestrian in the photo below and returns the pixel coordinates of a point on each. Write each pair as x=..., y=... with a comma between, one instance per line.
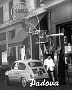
x=49, y=65
x=66, y=67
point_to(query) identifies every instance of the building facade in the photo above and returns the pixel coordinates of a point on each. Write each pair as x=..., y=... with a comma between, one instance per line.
x=55, y=16
x=14, y=40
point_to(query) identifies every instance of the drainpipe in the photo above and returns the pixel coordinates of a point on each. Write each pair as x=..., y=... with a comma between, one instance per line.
x=30, y=42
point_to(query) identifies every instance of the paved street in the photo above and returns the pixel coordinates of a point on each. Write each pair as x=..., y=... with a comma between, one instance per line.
x=19, y=87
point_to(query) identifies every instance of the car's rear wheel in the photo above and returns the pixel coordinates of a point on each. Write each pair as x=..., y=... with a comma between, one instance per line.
x=23, y=82
x=6, y=80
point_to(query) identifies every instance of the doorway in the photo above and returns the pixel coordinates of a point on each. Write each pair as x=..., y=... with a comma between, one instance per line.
x=65, y=41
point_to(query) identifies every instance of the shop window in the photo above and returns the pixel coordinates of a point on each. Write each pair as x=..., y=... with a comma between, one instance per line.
x=1, y=15
x=10, y=7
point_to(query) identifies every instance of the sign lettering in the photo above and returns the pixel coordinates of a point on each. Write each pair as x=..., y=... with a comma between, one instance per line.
x=19, y=11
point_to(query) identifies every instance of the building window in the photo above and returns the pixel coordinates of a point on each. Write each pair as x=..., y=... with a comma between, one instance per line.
x=2, y=36
x=11, y=34
x=1, y=15
x=10, y=7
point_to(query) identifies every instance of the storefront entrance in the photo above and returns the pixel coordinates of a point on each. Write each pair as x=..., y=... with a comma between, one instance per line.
x=65, y=42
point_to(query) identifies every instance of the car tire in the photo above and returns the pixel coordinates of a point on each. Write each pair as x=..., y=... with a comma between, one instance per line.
x=6, y=80
x=23, y=82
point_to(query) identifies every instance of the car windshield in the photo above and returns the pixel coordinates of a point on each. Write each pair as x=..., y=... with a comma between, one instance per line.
x=35, y=64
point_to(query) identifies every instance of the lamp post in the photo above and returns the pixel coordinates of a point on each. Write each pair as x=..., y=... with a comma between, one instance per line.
x=30, y=43
x=39, y=36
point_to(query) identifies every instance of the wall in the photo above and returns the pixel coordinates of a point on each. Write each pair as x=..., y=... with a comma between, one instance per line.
x=60, y=15
x=6, y=12
x=15, y=1
x=33, y=3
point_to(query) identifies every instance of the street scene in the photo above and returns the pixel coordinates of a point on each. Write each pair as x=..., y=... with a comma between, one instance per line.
x=35, y=44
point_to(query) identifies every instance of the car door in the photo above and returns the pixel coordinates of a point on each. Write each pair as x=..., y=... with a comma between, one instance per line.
x=22, y=71
x=13, y=72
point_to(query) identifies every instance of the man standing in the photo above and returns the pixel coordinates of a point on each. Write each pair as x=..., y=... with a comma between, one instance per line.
x=49, y=65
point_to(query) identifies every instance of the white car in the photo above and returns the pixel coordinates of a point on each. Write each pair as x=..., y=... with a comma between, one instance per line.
x=24, y=71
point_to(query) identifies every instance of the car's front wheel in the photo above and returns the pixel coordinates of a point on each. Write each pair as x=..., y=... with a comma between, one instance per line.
x=23, y=82
x=6, y=80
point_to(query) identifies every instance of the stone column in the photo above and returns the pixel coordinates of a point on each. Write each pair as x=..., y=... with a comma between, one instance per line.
x=16, y=53
x=7, y=36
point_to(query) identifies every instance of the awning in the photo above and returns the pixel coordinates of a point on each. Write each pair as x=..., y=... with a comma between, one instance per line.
x=33, y=21
x=18, y=39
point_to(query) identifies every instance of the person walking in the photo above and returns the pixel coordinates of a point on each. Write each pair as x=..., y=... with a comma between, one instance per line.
x=66, y=68
x=49, y=65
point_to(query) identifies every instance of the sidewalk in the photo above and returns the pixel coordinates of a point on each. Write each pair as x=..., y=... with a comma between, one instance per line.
x=70, y=78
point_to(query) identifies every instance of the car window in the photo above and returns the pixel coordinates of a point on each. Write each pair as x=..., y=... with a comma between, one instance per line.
x=35, y=64
x=15, y=66
x=21, y=66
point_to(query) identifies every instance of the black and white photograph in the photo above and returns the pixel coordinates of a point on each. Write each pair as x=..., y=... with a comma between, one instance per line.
x=35, y=44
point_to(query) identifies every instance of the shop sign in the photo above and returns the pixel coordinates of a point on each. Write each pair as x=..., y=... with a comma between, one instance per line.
x=19, y=11
x=68, y=49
